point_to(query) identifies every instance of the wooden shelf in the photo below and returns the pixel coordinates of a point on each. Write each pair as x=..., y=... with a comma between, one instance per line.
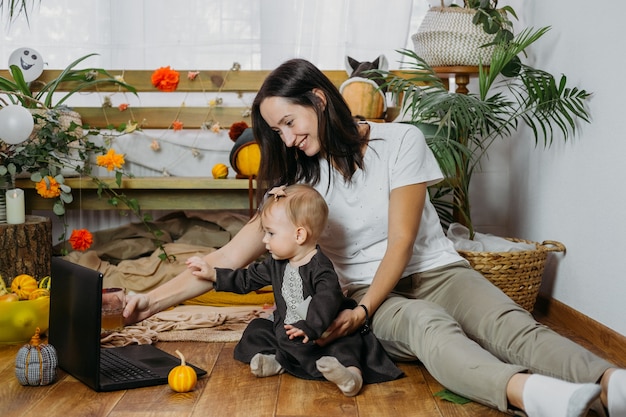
x=153, y=193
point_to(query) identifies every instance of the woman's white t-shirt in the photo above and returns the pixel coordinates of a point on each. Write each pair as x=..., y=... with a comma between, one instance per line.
x=355, y=238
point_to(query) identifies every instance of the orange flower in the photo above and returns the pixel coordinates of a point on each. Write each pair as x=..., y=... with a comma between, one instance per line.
x=177, y=125
x=122, y=106
x=165, y=79
x=111, y=160
x=48, y=187
x=81, y=239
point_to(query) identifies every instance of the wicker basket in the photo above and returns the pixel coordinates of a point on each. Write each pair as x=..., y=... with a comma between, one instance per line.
x=448, y=37
x=517, y=273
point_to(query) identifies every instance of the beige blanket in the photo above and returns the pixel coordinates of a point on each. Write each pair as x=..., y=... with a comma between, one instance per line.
x=189, y=323
x=128, y=258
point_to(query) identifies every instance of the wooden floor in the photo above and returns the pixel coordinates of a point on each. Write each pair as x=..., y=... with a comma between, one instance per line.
x=231, y=390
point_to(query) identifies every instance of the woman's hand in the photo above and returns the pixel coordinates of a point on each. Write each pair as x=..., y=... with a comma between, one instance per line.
x=347, y=322
x=137, y=308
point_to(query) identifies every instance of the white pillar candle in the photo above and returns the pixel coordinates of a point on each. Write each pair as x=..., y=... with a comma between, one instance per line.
x=15, y=206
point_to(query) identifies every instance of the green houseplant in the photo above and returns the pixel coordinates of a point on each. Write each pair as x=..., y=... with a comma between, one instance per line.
x=60, y=144
x=460, y=128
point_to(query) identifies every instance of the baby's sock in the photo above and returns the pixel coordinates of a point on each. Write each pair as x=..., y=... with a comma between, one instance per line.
x=549, y=397
x=265, y=365
x=616, y=394
x=348, y=381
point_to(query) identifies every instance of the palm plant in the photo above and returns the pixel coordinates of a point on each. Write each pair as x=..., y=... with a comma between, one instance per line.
x=460, y=128
x=14, y=8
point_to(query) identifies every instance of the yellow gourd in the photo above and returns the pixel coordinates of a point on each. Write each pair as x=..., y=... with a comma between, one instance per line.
x=182, y=378
x=23, y=285
x=45, y=282
x=248, y=160
x=38, y=293
x=219, y=171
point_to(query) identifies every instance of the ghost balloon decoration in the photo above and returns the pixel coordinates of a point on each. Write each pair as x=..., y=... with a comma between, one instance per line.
x=29, y=61
x=16, y=124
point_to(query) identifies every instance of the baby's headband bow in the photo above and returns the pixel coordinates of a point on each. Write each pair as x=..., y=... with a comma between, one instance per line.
x=278, y=192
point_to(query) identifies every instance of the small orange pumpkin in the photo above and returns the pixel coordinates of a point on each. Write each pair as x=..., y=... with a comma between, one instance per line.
x=219, y=171
x=23, y=285
x=182, y=378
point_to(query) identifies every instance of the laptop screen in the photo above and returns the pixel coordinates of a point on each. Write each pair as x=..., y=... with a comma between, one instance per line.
x=74, y=329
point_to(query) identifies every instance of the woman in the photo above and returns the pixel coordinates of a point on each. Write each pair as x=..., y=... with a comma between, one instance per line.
x=384, y=238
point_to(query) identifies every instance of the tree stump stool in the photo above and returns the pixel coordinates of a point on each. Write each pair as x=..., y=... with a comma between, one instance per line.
x=26, y=248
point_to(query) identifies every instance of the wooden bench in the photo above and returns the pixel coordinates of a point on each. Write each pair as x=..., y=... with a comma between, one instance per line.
x=168, y=192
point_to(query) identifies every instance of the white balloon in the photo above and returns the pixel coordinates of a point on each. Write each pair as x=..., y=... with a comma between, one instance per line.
x=16, y=124
x=29, y=61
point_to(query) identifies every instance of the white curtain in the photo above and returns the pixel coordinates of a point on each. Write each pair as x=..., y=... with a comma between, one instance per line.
x=212, y=34
x=208, y=34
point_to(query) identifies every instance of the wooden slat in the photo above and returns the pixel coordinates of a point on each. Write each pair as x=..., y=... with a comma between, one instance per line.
x=153, y=193
x=234, y=81
x=162, y=117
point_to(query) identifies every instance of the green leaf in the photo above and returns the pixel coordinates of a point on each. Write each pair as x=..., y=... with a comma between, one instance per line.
x=58, y=208
x=452, y=397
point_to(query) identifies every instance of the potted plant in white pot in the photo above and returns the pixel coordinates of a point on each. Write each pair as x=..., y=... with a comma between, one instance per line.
x=460, y=128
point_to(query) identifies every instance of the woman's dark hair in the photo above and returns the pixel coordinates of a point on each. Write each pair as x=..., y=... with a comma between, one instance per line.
x=340, y=141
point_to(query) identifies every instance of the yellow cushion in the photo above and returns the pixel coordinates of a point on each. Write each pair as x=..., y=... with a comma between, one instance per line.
x=263, y=296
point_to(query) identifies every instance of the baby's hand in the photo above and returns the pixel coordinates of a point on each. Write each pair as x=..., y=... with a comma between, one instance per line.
x=294, y=332
x=200, y=268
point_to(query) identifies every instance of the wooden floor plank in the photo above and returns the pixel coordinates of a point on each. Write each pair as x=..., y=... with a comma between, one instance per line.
x=306, y=398
x=231, y=390
x=157, y=401
x=450, y=409
x=407, y=396
x=70, y=397
x=17, y=400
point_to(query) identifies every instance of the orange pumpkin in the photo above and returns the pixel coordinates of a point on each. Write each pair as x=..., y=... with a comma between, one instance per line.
x=9, y=297
x=23, y=285
x=182, y=378
x=363, y=98
x=219, y=171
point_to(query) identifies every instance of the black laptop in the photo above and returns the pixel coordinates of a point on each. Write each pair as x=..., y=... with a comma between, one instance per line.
x=74, y=331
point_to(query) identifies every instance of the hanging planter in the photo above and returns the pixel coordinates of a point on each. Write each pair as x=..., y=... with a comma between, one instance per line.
x=461, y=36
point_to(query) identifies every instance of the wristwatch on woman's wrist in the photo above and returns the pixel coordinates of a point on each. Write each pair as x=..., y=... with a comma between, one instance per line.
x=365, y=329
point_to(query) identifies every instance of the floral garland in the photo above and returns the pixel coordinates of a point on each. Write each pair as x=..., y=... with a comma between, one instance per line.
x=167, y=79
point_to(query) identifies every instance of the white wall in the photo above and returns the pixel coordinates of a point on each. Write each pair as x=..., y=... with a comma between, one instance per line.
x=573, y=192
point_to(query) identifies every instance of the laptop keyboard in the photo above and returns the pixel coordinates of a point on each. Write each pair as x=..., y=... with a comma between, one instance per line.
x=119, y=369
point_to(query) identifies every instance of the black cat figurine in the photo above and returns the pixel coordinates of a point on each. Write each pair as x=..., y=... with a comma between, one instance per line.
x=355, y=68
